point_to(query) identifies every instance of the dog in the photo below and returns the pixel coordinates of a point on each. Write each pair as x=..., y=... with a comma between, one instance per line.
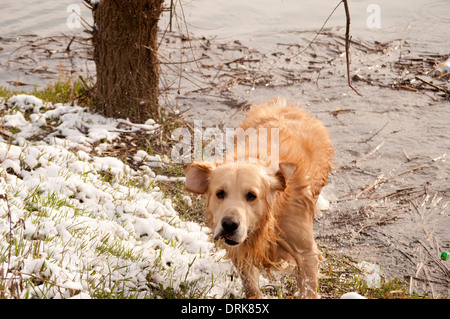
x=265, y=216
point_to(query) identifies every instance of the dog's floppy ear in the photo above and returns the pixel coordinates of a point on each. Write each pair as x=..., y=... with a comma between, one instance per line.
x=287, y=169
x=197, y=177
x=283, y=174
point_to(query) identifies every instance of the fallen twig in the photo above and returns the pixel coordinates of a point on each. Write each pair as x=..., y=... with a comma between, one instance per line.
x=376, y=133
x=380, y=180
x=378, y=222
x=408, y=88
x=433, y=85
x=398, y=193
x=424, y=280
x=370, y=153
x=418, y=194
x=6, y=133
x=428, y=281
x=440, y=264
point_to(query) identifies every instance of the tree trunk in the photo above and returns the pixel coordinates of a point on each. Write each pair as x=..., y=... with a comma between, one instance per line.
x=125, y=53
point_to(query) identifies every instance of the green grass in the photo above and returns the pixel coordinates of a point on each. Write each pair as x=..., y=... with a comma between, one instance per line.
x=65, y=90
x=341, y=274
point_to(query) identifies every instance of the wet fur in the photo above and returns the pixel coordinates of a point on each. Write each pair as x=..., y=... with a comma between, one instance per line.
x=284, y=233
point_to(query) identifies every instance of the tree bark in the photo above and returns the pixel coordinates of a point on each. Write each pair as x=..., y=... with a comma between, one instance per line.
x=124, y=36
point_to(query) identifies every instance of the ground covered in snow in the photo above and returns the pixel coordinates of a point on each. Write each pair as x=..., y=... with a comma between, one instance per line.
x=77, y=225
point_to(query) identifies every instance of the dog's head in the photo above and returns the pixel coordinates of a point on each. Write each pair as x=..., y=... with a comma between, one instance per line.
x=238, y=195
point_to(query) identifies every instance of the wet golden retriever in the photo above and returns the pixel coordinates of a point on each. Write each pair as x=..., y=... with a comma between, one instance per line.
x=265, y=217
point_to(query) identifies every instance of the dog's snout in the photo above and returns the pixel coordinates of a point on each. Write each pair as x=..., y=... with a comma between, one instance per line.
x=230, y=224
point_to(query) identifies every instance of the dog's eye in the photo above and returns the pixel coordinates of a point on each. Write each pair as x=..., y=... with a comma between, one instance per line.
x=250, y=197
x=221, y=194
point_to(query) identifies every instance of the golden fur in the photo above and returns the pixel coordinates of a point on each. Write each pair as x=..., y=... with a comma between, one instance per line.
x=272, y=212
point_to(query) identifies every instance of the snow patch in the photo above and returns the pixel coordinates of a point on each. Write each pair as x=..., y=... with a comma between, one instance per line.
x=371, y=274
x=84, y=225
x=352, y=295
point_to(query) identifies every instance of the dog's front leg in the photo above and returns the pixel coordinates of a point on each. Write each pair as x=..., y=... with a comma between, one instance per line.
x=250, y=280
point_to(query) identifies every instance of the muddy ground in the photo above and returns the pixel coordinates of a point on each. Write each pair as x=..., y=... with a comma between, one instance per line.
x=390, y=188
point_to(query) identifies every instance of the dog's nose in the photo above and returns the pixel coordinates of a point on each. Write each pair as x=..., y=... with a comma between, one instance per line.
x=230, y=224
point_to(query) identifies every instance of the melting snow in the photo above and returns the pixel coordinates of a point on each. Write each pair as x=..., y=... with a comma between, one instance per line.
x=76, y=233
